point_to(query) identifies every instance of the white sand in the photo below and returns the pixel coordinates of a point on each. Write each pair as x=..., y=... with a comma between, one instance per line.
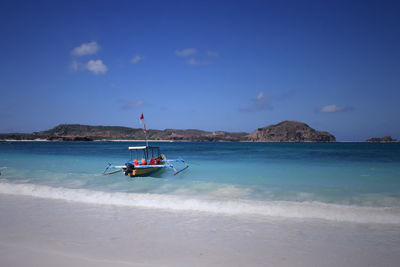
x=41, y=232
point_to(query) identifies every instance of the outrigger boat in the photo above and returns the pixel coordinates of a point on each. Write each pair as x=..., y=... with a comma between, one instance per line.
x=147, y=165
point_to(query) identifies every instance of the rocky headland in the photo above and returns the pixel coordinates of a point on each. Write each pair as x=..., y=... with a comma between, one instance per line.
x=290, y=131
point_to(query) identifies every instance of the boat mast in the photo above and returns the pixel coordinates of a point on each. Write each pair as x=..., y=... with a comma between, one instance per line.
x=144, y=128
x=145, y=136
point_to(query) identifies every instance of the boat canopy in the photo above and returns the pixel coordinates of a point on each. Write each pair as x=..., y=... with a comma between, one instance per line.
x=137, y=147
x=145, y=152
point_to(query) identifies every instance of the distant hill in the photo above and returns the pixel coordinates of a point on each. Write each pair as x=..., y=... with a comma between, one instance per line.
x=290, y=131
x=287, y=131
x=385, y=139
x=68, y=132
x=92, y=132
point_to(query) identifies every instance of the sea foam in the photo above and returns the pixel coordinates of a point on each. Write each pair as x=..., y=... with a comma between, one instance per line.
x=284, y=209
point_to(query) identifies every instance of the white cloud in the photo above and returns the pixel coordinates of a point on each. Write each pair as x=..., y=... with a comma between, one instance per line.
x=137, y=59
x=331, y=109
x=259, y=103
x=86, y=49
x=96, y=66
x=213, y=54
x=74, y=65
x=186, y=52
x=77, y=66
x=128, y=104
x=193, y=57
x=195, y=62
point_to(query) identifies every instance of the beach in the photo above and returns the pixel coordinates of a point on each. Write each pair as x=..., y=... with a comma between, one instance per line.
x=238, y=204
x=42, y=232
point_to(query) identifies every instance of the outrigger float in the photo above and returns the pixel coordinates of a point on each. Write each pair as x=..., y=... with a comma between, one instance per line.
x=147, y=165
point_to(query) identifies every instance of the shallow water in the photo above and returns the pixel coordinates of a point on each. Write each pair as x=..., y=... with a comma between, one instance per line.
x=336, y=181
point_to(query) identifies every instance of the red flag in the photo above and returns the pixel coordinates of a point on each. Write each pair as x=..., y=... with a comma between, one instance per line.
x=142, y=121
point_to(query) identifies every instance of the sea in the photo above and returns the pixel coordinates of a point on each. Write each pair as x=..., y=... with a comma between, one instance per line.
x=343, y=181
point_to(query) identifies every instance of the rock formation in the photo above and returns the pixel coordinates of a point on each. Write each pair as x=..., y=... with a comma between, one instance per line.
x=290, y=131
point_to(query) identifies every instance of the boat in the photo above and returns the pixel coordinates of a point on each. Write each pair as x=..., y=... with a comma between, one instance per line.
x=147, y=161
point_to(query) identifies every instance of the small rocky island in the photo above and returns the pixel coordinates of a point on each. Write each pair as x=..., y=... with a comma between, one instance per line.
x=290, y=131
x=385, y=139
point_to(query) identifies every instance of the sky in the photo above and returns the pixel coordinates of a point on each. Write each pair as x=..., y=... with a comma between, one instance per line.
x=210, y=65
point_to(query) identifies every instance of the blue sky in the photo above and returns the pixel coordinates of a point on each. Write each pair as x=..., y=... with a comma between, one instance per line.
x=211, y=65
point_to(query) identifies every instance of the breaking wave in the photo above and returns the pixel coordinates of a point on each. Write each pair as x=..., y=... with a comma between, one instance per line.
x=285, y=209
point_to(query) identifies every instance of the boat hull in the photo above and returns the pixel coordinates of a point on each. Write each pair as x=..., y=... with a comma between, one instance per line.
x=143, y=172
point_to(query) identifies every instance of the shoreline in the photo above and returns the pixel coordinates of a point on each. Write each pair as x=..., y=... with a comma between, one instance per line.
x=42, y=232
x=289, y=210
x=193, y=141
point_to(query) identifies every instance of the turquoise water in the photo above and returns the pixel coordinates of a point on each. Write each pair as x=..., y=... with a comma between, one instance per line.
x=350, y=174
